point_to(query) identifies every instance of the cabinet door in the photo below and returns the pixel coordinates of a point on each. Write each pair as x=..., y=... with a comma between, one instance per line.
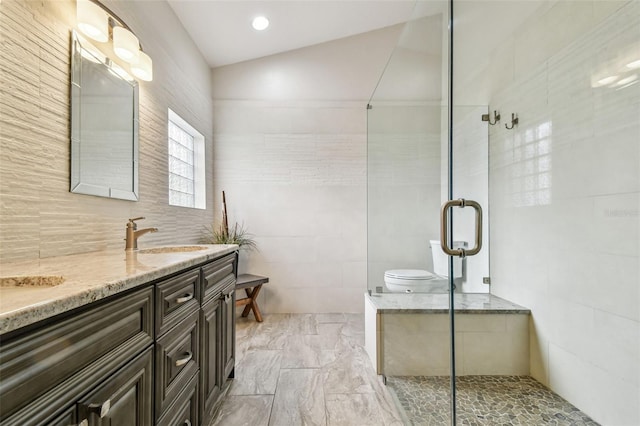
x=51, y=368
x=124, y=399
x=210, y=352
x=228, y=325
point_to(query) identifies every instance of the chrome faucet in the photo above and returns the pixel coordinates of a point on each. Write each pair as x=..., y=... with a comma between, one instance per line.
x=133, y=234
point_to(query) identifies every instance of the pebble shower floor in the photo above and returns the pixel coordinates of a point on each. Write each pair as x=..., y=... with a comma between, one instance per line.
x=484, y=401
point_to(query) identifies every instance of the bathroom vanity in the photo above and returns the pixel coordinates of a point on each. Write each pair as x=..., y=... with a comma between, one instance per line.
x=127, y=338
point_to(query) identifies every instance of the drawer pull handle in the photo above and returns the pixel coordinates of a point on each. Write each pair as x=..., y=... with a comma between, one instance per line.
x=187, y=423
x=182, y=361
x=184, y=298
x=104, y=410
x=84, y=422
x=101, y=409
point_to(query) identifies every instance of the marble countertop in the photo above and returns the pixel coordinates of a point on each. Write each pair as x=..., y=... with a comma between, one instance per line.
x=88, y=277
x=464, y=303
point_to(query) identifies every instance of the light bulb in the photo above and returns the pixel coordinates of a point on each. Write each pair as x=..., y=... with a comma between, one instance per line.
x=260, y=23
x=125, y=44
x=92, y=20
x=143, y=68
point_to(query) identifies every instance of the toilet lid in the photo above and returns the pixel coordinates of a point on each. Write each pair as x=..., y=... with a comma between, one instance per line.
x=409, y=274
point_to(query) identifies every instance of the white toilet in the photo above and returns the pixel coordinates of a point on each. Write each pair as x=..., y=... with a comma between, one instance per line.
x=421, y=281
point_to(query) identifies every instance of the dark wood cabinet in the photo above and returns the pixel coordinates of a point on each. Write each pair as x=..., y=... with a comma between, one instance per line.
x=217, y=342
x=177, y=361
x=210, y=372
x=45, y=371
x=125, y=399
x=175, y=298
x=68, y=418
x=228, y=332
x=159, y=354
x=184, y=410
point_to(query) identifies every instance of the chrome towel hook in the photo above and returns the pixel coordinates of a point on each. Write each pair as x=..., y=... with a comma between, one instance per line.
x=514, y=121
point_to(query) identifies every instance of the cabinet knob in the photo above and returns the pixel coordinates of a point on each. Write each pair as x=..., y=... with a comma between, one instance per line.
x=182, y=361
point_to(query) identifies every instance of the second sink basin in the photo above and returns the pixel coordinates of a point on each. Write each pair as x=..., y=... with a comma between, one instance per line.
x=171, y=249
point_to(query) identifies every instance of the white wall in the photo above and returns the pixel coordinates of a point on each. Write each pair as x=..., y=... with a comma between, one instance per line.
x=403, y=187
x=565, y=199
x=290, y=153
x=471, y=182
x=39, y=217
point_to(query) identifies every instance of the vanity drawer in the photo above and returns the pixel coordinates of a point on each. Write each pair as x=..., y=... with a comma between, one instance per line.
x=217, y=275
x=177, y=360
x=175, y=298
x=69, y=354
x=68, y=418
x=184, y=410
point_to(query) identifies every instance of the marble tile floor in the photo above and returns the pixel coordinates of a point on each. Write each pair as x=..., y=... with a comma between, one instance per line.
x=484, y=400
x=312, y=369
x=305, y=369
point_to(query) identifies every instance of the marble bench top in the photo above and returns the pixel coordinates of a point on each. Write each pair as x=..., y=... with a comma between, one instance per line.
x=87, y=277
x=464, y=303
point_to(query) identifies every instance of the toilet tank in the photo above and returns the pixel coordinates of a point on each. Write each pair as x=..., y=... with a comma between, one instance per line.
x=441, y=260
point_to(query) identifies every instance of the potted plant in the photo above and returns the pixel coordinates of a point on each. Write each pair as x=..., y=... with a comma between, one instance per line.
x=222, y=234
x=236, y=235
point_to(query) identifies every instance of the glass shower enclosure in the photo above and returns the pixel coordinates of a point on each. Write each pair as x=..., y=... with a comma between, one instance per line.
x=532, y=110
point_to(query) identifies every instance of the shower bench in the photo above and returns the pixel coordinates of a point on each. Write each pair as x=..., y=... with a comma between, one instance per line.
x=408, y=334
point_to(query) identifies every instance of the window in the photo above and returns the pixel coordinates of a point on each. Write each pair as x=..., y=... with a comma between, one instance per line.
x=186, y=164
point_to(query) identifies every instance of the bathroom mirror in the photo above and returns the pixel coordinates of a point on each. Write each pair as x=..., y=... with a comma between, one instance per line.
x=104, y=125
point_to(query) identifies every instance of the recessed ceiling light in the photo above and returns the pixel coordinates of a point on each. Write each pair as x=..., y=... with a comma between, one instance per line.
x=260, y=23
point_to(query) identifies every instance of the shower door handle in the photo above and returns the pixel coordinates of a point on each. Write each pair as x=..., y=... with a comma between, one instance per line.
x=444, y=221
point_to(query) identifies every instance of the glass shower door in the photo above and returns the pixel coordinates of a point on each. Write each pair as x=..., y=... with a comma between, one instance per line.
x=544, y=111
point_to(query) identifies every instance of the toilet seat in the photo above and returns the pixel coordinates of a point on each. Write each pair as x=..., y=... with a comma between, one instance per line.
x=409, y=274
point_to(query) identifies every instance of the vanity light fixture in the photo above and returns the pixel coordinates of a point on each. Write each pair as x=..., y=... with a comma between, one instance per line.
x=125, y=44
x=143, y=68
x=93, y=21
x=99, y=23
x=260, y=23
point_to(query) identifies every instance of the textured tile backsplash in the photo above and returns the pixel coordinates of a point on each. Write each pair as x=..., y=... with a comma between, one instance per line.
x=39, y=216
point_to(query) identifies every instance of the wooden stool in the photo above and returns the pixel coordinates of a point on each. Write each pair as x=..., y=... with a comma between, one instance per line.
x=251, y=285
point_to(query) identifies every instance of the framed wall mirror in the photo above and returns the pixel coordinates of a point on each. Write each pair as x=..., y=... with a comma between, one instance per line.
x=104, y=125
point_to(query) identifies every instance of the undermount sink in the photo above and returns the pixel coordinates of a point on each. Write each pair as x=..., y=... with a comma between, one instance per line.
x=32, y=281
x=171, y=249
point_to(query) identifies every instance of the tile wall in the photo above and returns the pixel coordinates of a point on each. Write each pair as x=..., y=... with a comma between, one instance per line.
x=565, y=201
x=39, y=217
x=295, y=177
x=290, y=152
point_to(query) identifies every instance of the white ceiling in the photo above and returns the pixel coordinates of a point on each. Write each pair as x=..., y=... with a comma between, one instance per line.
x=222, y=28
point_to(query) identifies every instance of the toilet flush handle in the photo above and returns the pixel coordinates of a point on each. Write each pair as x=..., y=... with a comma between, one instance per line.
x=444, y=221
